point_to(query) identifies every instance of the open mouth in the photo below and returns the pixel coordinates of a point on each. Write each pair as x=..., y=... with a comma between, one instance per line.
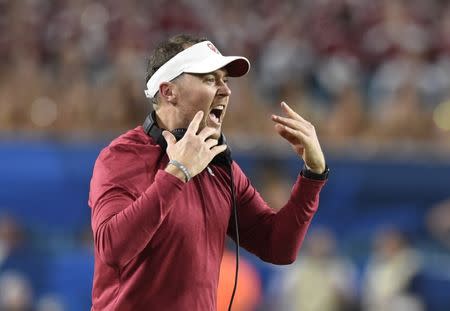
x=216, y=113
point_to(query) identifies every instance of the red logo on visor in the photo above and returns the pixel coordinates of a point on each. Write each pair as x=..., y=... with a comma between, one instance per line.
x=213, y=48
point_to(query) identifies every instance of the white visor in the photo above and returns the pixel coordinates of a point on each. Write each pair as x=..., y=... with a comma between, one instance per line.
x=202, y=57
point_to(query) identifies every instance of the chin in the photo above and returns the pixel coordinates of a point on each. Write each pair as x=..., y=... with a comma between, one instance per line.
x=216, y=134
x=217, y=129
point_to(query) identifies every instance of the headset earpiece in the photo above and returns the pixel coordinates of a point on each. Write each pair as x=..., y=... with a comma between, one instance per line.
x=152, y=129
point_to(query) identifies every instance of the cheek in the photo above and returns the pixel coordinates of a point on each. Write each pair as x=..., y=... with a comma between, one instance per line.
x=201, y=99
x=193, y=102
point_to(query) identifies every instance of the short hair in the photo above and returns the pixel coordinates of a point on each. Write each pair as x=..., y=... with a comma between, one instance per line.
x=166, y=50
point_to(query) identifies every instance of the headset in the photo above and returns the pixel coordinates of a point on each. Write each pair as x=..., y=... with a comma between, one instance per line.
x=152, y=129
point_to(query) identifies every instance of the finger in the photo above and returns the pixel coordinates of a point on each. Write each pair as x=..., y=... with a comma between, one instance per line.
x=294, y=124
x=291, y=135
x=195, y=123
x=170, y=139
x=290, y=112
x=218, y=149
x=206, y=132
x=211, y=142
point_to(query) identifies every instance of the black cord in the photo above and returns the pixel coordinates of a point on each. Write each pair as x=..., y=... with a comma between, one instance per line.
x=233, y=202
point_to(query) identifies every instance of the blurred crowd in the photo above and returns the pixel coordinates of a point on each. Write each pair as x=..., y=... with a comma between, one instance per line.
x=378, y=71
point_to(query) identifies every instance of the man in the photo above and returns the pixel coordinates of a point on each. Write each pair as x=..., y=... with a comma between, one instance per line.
x=160, y=217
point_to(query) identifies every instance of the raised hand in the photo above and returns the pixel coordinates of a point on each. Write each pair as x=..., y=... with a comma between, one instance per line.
x=195, y=150
x=301, y=134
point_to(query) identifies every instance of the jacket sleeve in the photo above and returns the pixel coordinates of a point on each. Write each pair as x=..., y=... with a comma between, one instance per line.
x=124, y=219
x=275, y=237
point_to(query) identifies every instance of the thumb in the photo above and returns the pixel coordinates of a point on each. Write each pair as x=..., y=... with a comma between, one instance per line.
x=170, y=139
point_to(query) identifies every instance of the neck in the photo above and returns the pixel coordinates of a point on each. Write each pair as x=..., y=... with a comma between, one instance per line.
x=167, y=119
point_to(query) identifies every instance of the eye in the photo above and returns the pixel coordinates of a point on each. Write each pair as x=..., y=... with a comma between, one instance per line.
x=210, y=79
x=225, y=80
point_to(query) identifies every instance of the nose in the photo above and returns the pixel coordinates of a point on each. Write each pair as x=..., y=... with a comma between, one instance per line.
x=224, y=89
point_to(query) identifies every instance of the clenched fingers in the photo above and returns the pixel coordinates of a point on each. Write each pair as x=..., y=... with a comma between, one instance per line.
x=303, y=127
x=292, y=135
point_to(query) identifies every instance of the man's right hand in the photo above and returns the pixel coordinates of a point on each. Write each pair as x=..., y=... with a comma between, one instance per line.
x=195, y=150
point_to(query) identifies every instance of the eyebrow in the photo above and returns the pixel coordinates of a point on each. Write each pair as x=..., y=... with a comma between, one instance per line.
x=217, y=74
x=214, y=73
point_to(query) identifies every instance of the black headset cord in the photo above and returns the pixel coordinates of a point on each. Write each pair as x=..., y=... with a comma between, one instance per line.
x=233, y=202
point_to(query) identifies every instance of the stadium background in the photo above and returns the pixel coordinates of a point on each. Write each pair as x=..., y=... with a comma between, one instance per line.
x=373, y=76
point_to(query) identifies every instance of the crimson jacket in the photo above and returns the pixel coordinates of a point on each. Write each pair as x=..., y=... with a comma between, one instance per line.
x=159, y=241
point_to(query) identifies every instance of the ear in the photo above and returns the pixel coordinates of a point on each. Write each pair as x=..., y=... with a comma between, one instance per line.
x=168, y=92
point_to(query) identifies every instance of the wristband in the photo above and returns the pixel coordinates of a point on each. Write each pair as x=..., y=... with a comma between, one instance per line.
x=182, y=168
x=311, y=175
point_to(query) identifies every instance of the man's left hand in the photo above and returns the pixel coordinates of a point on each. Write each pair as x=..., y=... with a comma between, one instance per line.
x=301, y=134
